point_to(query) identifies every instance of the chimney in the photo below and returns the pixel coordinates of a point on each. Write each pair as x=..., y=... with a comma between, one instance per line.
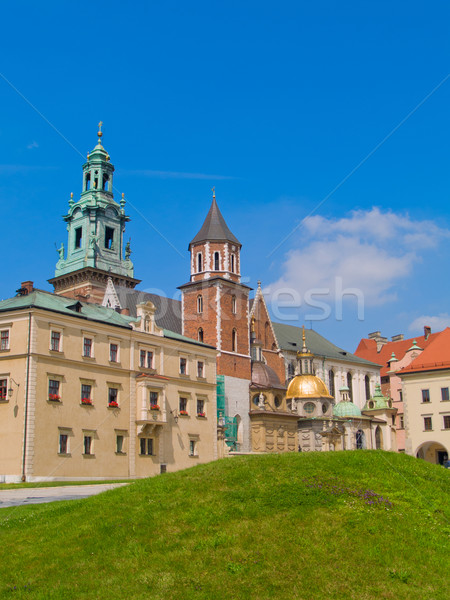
x=380, y=340
x=398, y=338
x=426, y=331
x=26, y=287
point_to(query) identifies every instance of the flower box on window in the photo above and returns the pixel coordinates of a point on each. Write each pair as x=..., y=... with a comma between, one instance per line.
x=184, y=413
x=202, y=415
x=54, y=397
x=86, y=401
x=154, y=407
x=113, y=404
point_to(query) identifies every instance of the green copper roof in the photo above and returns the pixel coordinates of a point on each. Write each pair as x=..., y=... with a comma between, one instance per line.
x=61, y=304
x=378, y=401
x=182, y=338
x=346, y=409
x=290, y=338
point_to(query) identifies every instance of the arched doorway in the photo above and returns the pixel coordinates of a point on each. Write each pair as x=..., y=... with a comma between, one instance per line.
x=433, y=452
x=360, y=440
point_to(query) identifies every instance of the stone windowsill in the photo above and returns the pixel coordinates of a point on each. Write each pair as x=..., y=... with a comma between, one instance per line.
x=120, y=453
x=88, y=455
x=65, y=454
x=5, y=349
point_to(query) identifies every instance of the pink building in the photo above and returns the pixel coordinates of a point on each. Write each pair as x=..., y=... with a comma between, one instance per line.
x=393, y=356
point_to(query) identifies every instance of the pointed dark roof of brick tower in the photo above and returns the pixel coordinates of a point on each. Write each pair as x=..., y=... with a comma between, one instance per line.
x=214, y=229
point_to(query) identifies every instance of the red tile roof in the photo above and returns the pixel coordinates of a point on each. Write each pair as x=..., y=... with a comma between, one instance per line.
x=435, y=356
x=368, y=349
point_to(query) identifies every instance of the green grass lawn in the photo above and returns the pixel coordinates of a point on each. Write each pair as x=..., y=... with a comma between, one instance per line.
x=360, y=525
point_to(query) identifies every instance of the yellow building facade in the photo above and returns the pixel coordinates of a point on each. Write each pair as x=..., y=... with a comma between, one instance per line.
x=88, y=393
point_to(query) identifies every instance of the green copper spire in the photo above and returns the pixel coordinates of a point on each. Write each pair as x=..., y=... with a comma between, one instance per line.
x=96, y=223
x=378, y=401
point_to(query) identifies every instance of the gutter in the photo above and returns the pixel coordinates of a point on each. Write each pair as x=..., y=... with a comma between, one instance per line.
x=25, y=427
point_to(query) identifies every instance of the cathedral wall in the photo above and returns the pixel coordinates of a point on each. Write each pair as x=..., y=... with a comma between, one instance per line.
x=234, y=366
x=207, y=319
x=275, y=362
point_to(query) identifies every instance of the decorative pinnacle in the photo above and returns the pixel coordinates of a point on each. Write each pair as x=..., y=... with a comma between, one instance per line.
x=88, y=155
x=122, y=201
x=100, y=132
x=213, y=189
x=253, y=324
x=259, y=283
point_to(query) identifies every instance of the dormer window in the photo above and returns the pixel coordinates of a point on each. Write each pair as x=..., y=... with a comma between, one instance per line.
x=78, y=237
x=109, y=238
x=216, y=261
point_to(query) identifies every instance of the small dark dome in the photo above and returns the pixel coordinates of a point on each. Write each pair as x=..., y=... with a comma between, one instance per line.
x=265, y=377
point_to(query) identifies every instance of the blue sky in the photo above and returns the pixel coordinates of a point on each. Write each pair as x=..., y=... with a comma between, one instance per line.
x=274, y=104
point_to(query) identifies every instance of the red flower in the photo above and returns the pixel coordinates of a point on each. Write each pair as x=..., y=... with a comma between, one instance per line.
x=113, y=404
x=154, y=407
x=86, y=401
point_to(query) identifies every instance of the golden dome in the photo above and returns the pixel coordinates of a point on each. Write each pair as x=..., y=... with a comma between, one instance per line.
x=307, y=386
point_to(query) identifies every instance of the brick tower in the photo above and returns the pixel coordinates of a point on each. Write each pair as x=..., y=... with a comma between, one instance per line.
x=215, y=310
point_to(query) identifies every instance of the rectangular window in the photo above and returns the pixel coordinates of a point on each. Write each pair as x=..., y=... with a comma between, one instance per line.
x=87, y=444
x=183, y=366
x=154, y=401
x=401, y=421
x=400, y=396
x=425, y=395
x=53, y=389
x=4, y=340
x=3, y=389
x=446, y=421
x=444, y=394
x=113, y=352
x=183, y=406
x=63, y=443
x=146, y=359
x=87, y=347
x=55, y=341
x=109, y=238
x=78, y=237
x=86, y=394
x=192, y=447
x=113, y=397
x=146, y=446
x=119, y=444
x=200, y=369
x=200, y=408
x=427, y=424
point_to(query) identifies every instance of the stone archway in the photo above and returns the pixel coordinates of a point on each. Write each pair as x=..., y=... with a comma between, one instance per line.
x=433, y=452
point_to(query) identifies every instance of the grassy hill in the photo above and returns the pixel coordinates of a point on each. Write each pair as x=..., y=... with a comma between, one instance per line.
x=363, y=525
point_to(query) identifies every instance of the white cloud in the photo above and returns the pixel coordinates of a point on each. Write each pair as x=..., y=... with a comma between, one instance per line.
x=369, y=251
x=437, y=323
x=32, y=145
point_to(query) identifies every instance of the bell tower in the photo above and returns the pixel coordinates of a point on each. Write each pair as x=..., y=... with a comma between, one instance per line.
x=215, y=302
x=96, y=226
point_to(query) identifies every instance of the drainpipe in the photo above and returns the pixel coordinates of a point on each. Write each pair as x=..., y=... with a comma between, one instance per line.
x=25, y=427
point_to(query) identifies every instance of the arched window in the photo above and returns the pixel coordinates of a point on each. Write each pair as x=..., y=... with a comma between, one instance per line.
x=360, y=440
x=200, y=304
x=199, y=262
x=233, y=267
x=233, y=305
x=96, y=180
x=200, y=334
x=331, y=387
x=234, y=341
x=216, y=261
x=350, y=385
x=291, y=370
x=378, y=438
x=105, y=182
x=87, y=185
x=367, y=382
